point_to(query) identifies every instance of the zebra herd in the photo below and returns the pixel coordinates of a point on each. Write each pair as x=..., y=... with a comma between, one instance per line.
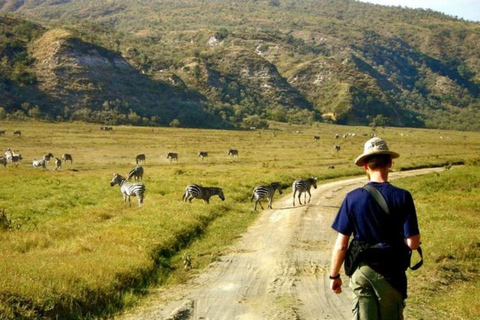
x=196, y=191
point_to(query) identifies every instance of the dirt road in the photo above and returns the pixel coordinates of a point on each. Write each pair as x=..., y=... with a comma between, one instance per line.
x=278, y=269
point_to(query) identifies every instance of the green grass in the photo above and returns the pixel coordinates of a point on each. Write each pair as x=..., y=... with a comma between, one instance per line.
x=71, y=250
x=448, y=205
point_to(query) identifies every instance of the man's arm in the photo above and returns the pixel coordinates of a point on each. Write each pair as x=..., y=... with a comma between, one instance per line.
x=338, y=256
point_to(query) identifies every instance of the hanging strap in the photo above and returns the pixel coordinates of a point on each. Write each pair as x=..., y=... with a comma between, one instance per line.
x=383, y=204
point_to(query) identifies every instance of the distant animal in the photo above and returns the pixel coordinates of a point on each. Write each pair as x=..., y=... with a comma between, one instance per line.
x=265, y=192
x=331, y=167
x=337, y=135
x=233, y=153
x=140, y=158
x=67, y=157
x=2, y=132
x=316, y=137
x=39, y=163
x=203, y=154
x=128, y=189
x=172, y=156
x=195, y=191
x=47, y=157
x=3, y=161
x=17, y=133
x=58, y=164
x=336, y=147
x=106, y=128
x=136, y=172
x=303, y=186
x=14, y=158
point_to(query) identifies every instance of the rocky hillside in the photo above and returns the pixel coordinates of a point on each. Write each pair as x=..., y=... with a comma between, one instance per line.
x=220, y=62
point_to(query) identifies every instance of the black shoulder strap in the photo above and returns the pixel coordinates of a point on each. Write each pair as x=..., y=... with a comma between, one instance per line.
x=378, y=197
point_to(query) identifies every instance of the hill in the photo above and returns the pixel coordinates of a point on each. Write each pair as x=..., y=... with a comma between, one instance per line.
x=338, y=61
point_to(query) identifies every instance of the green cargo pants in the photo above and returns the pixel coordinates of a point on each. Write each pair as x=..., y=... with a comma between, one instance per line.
x=375, y=298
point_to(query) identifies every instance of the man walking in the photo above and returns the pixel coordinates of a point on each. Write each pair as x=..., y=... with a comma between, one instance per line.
x=384, y=232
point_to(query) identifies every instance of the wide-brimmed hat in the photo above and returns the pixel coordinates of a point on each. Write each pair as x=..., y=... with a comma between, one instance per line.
x=373, y=147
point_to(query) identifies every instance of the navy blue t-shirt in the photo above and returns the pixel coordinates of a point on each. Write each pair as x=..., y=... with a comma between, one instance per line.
x=361, y=216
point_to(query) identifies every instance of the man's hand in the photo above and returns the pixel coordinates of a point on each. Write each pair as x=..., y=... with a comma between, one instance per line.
x=336, y=285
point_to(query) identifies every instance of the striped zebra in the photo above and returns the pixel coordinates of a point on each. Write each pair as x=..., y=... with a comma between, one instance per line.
x=233, y=153
x=140, y=158
x=67, y=157
x=303, y=186
x=136, y=172
x=205, y=193
x=128, y=189
x=203, y=154
x=172, y=156
x=265, y=192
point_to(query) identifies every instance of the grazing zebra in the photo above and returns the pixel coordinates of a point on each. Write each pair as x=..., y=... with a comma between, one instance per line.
x=39, y=163
x=233, y=153
x=47, y=157
x=205, y=193
x=128, y=189
x=303, y=186
x=136, y=172
x=17, y=133
x=67, y=157
x=140, y=158
x=336, y=147
x=203, y=154
x=265, y=192
x=172, y=156
x=58, y=164
x=3, y=161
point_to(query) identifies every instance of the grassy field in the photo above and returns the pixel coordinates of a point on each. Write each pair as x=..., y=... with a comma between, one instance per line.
x=70, y=249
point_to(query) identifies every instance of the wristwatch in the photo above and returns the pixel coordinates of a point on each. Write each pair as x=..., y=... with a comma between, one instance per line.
x=334, y=277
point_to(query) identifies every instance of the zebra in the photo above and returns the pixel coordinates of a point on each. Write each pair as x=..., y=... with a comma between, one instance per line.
x=58, y=164
x=67, y=157
x=265, y=192
x=316, y=138
x=203, y=154
x=140, y=158
x=47, y=157
x=205, y=193
x=128, y=189
x=303, y=186
x=233, y=153
x=336, y=147
x=17, y=133
x=39, y=163
x=3, y=161
x=136, y=172
x=172, y=156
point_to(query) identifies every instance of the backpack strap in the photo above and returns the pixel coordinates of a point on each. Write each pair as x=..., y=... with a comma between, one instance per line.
x=378, y=197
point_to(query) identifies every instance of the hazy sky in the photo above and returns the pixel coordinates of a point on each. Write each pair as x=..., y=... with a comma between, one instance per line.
x=466, y=9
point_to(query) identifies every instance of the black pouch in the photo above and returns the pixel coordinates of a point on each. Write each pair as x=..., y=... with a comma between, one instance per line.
x=355, y=254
